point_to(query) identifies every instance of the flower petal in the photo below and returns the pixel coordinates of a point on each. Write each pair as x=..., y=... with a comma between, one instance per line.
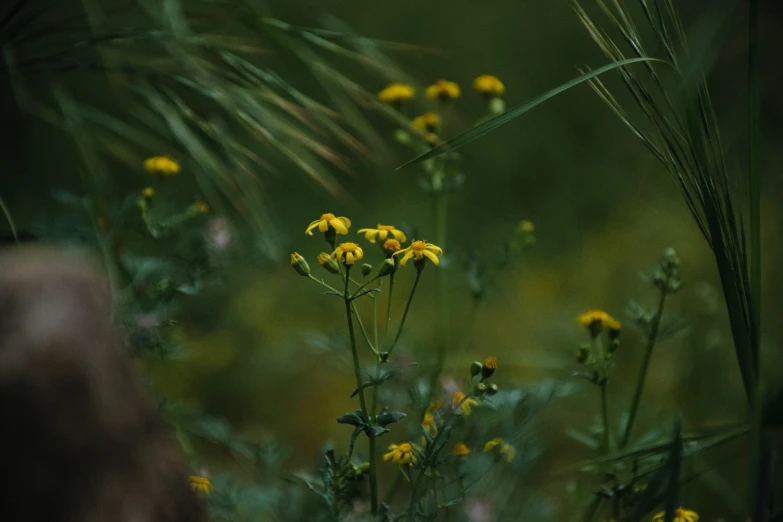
x=323, y=226
x=408, y=255
x=359, y=253
x=338, y=226
x=346, y=221
x=382, y=234
x=399, y=235
x=349, y=258
x=370, y=236
x=432, y=257
x=435, y=249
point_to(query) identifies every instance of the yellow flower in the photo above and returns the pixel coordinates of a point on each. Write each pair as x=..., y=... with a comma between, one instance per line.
x=300, y=264
x=396, y=92
x=201, y=485
x=148, y=192
x=428, y=121
x=401, y=453
x=201, y=207
x=382, y=232
x=339, y=224
x=489, y=367
x=489, y=85
x=595, y=320
x=680, y=515
x=443, y=90
x=464, y=405
x=161, y=165
x=348, y=253
x=391, y=247
x=419, y=250
x=460, y=449
x=429, y=423
x=499, y=445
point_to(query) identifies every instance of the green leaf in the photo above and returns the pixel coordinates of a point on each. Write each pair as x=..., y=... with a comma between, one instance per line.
x=386, y=417
x=492, y=124
x=354, y=419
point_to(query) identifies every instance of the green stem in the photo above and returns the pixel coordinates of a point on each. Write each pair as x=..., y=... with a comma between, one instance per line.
x=405, y=313
x=388, y=311
x=358, y=373
x=607, y=435
x=651, y=338
x=441, y=228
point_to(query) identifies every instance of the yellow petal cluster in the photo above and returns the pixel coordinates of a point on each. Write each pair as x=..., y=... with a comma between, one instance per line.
x=396, y=92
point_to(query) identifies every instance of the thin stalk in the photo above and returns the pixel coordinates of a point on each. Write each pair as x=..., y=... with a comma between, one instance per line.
x=637, y=394
x=405, y=313
x=358, y=373
x=388, y=310
x=607, y=435
x=441, y=230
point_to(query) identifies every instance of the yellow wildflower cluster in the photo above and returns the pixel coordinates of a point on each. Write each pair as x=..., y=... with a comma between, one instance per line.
x=349, y=252
x=161, y=165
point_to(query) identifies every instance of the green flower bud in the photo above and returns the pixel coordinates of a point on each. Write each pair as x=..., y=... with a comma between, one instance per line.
x=497, y=106
x=492, y=389
x=366, y=269
x=300, y=264
x=475, y=368
x=479, y=389
x=402, y=137
x=328, y=262
x=582, y=354
x=387, y=267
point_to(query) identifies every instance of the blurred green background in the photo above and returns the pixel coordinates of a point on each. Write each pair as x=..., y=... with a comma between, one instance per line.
x=266, y=351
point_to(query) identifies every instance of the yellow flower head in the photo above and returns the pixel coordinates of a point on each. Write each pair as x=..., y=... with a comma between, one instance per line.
x=464, y=405
x=201, y=485
x=382, y=232
x=460, y=449
x=489, y=85
x=499, y=445
x=443, y=90
x=429, y=423
x=596, y=320
x=327, y=221
x=396, y=92
x=391, y=247
x=161, y=165
x=348, y=253
x=489, y=367
x=201, y=207
x=428, y=121
x=418, y=250
x=148, y=192
x=401, y=453
x=680, y=515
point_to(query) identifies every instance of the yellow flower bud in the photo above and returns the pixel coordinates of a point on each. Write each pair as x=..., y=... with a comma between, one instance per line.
x=326, y=261
x=490, y=365
x=300, y=264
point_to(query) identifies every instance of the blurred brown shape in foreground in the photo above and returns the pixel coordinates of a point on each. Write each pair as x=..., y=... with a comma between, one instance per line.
x=79, y=439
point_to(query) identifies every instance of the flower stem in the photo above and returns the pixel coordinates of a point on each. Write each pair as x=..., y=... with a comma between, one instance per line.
x=607, y=435
x=441, y=227
x=358, y=372
x=405, y=313
x=388, y=311
x=637, y=394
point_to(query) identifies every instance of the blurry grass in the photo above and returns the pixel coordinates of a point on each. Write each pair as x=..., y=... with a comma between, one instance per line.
x=165, y=81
